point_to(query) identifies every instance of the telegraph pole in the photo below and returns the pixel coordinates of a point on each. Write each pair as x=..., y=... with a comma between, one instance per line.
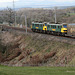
x=14, y=12
x=26, y=23
x=55, y=14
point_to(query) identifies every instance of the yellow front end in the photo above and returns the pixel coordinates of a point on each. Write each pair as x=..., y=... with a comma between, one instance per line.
x=45, y=28
x=63, y=30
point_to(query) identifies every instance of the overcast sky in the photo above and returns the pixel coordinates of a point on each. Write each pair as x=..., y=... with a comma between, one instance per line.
x=36, y=3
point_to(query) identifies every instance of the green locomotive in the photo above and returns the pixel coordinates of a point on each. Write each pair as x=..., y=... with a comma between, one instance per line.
x=60, y=29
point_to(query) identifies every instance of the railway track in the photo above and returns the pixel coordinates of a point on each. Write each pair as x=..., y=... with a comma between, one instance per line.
x=66, y=36
x=9, y=28
x=47, y=37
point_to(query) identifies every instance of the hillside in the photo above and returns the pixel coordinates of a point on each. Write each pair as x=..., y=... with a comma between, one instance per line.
x=34, y=50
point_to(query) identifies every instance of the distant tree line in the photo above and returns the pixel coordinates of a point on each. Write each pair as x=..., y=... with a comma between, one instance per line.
x=37, y=15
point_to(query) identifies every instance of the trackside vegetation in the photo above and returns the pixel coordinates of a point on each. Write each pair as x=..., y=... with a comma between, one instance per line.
x=36, y=50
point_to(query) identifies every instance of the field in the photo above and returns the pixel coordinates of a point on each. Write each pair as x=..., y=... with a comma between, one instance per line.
x=70, y=13
x=5, y=70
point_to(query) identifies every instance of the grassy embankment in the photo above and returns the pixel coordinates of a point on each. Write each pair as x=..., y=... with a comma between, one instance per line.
x=4, y=70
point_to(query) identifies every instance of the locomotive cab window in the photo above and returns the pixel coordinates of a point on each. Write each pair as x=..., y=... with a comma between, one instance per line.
x=65, y=26
x=45, y=24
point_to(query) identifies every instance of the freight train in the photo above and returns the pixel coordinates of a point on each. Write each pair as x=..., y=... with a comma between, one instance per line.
x=57, y=29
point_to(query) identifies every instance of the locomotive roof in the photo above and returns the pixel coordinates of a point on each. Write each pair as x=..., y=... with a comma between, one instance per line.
x=56, y=24
x=48, y=23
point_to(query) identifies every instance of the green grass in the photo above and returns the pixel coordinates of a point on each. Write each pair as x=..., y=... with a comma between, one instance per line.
x=5, y=70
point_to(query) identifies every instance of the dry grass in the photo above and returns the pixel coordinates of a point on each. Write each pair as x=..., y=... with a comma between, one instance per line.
x=34, y=50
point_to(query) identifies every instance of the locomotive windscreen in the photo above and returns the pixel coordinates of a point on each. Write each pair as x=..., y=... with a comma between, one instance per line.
x=45, y=24
x=65, y=26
